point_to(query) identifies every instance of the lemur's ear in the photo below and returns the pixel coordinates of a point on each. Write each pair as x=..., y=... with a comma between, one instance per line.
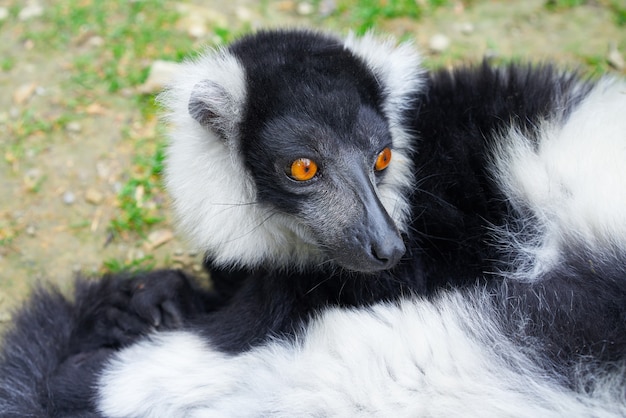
x=214, y=107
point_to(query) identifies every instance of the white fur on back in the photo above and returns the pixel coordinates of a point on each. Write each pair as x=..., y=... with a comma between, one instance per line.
x=419, y=358
x=214, y=196
x=573, y=180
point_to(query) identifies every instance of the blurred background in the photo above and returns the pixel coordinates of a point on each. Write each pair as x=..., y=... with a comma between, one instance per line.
x=81, y=146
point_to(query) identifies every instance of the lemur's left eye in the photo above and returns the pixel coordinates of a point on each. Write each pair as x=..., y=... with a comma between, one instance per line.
x=383, y=159
x=303, y=169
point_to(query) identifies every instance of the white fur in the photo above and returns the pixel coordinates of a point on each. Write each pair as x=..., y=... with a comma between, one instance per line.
x=572, y=181
x=212, y=192
x=214, y=196
x=418, y=358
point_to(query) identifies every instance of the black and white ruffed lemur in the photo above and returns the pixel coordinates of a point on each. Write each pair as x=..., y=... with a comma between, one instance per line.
x=399, y=243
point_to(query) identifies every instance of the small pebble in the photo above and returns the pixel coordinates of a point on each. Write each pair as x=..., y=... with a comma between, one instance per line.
x=137, y=254
x=95, y=41
x=33, y=173
x=33, y=179
x=103, y=169
x=615, y=59
x=305, y=9
x=30, y=230
x=161, y=72
x=243, y=14
x=197, y=31
x=439, y=43
x=466, y=28
x=73, y=127
x=23, y=93
x=116, y=187
x=158, y=238
x=93, y=196
x=69, y=198
x=30, y=11
x=327, y=8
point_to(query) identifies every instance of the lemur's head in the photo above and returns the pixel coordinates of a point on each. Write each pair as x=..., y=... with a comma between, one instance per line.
x=290, y=148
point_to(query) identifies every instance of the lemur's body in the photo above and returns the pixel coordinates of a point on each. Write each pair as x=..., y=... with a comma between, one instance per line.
x=481, y=270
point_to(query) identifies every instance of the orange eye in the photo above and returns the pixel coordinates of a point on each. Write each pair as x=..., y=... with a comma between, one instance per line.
x=383, y=159
x=303, y=169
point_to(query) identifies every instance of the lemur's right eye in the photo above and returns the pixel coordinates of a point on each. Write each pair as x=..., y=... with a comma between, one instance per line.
x=303, y=169
x=383, y=159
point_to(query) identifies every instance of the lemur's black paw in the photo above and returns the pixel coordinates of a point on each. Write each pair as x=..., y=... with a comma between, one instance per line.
x=164, y=298
x=116, y=310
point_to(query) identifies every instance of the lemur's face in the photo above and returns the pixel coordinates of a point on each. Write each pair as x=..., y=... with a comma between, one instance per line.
x=291, y=149
x=323, y=166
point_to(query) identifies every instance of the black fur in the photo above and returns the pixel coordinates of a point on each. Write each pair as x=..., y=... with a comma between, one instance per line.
x=55, y=346
x=576, y=311
x=458, y=203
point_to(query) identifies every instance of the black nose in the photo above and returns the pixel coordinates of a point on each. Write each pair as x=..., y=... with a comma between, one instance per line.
x=389, y=250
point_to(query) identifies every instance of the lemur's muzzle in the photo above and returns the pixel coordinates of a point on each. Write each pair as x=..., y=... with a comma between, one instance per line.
x=372, y=241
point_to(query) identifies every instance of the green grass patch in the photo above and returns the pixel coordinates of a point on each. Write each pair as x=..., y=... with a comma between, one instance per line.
x=139, y=199
x=368, y=14
x=136, y=265
x=563, y=4
x=596, y=65
x=116, y=40
x=80, y=224
x=618, y=8
x=29, y=123
x=9, y=230
x=7, y=63
x=30, y=133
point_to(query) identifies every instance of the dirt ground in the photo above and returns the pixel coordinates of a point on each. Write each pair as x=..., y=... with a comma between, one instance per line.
x=59, y=186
